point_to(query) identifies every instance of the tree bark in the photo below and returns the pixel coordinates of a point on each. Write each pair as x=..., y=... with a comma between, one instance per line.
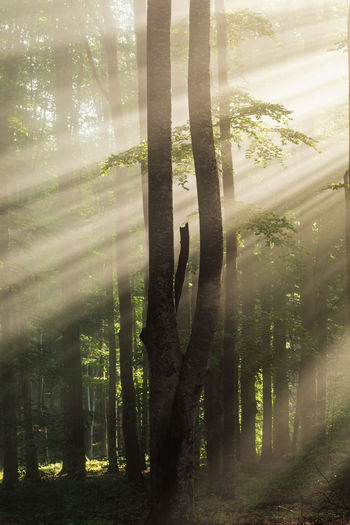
x=322, y=312
x=140, y=19
x=280, y=366
x=266, y=306
x=160, y=333
x=8, y=395
x=122, y=260
x=248, y=361
x=213, y=400
x=176, y=382
x=112, y=368
x=230, y=356
x=347, y=193
x=307, y=374
x=30, y=453
x=74, y=447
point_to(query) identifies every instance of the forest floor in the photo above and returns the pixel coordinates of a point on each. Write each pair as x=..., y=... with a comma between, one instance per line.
x=295, y=492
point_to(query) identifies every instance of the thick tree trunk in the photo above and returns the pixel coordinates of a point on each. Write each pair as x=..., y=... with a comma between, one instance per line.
x=122, y=260
x=214, y=421
x=160, y=334
x=194, y=364
x=230, y=355
x=176, y=382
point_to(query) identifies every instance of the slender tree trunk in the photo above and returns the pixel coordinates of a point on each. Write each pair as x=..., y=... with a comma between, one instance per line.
x=74, y=447
x=248, y=362
x=280, y=368
x=197, y=445
x=322, y=330
x=140, y=18
x=112, y=370
x=122, y=261
x=9, y=416
x=230, y=355
x=266, y=306
x=347, y=195
x=90, y=401
x=8, y=394
x=296, y=422
x=31, y=460
x=307, y=374
x=8, y=399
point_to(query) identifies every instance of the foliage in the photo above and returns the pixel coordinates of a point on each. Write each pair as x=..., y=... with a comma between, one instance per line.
x=245, y=24
x=275, y=230
x=252, y=125
x=337, y=186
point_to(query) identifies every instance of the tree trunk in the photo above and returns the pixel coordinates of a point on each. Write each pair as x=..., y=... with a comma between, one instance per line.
x=347, y=195
x=7, y=352
x=265, y=294
x=140, y=18
x=214, y=421
x=122, y=260
x=280, y=368
x=322, y=329
x=230, y=355
x=248, y=360
x=8, y=395
x=112, y=369
x=31, y=460
x=307, y=374
x=176, y=382
x=74, y=447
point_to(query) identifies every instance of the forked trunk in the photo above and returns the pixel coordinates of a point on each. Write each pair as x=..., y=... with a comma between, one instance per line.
x=176, y=381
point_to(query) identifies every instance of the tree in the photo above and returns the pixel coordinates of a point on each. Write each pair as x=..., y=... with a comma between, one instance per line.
x=176, y=380
x=122, y=264
x=347, y=194
x=230, y=355
x=140, y=22
x=307, y=377
x=74, y=446
x=280, y=365
x=9, y=71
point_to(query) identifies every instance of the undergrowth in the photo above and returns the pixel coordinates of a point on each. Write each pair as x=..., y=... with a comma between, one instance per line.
x=299, y=490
